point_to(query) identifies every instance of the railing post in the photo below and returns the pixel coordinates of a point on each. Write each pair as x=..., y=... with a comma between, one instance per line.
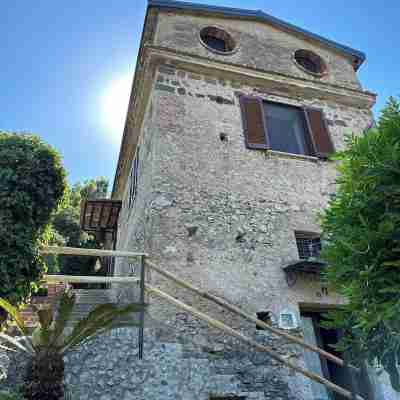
x=141, y=301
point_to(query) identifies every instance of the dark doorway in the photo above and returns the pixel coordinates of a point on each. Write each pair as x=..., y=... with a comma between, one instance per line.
x=326, y=339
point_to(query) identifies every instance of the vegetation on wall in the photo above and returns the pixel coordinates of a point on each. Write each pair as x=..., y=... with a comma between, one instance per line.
x=361, y=229
x=32, y=185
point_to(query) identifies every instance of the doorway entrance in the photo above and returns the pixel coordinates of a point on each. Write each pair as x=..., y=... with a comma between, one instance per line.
x=324, y=338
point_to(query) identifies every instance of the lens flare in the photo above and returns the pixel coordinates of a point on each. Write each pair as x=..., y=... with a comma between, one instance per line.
x=114, y=106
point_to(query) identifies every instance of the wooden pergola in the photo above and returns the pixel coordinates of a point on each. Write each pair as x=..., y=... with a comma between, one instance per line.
x=100, y=217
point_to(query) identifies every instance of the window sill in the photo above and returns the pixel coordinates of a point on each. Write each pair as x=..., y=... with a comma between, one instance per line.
x=304, y=157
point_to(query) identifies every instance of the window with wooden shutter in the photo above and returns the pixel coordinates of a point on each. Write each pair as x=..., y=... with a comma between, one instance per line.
x=285, y=128
x=253, y=122
x=319, y=132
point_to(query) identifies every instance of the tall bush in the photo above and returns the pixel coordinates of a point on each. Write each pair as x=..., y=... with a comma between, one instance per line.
x=66, y=223
x=361, y=227
x=32, y=185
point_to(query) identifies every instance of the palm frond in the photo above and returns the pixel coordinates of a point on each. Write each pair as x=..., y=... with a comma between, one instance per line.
x=45, y=316
x=115, y=325
x=102, y=324
x=7, y=348
x=28, y=343
x=15, y=315
x=95, y=314
x=65, y=308
x=15, y=343
x=101, y=319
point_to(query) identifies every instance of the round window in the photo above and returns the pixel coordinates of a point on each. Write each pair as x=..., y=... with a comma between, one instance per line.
x=217, y=40
x=310, y=62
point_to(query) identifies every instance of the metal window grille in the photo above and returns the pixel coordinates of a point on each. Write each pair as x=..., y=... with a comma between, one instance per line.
x=308, y=245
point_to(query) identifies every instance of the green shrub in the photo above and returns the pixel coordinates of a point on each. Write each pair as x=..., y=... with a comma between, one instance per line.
x=32, y=185
x=41, y=292
x=361, y=228
x=11, y=395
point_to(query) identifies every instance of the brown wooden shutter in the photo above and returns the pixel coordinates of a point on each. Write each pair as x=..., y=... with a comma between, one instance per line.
x=319, y=132
x=253, y=122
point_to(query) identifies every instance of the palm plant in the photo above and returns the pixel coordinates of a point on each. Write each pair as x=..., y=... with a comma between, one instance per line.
x=50, y=341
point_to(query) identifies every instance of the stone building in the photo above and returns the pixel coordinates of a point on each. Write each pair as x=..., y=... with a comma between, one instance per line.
x=222, y=170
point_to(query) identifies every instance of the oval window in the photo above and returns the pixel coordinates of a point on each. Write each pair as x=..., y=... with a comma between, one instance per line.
x=217, y=40
x=310, y=62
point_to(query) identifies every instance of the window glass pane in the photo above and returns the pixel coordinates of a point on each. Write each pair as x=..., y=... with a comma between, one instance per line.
x=215, y=43
x=286, y=128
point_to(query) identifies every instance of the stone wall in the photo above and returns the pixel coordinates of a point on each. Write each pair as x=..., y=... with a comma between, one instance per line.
x=259, y=45
x=222, y=216
x=187, y=368
x=108, y=368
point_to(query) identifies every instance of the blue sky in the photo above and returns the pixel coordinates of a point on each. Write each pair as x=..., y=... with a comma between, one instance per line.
x=66, y=67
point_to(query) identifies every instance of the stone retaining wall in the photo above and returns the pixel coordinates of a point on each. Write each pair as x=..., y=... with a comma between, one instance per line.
x=108, y=368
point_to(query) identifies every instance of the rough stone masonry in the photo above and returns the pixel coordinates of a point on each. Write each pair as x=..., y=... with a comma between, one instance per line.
x=216, y=213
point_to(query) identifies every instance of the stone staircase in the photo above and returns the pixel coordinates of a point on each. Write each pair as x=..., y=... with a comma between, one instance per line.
x=173, y=368
x=168, y=371
x=87, y=300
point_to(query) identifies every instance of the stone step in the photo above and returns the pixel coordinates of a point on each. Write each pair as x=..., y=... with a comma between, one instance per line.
x=87, y=300
x=95, y=296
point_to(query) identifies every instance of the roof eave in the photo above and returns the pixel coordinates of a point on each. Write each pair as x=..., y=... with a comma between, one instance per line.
x=358, y=56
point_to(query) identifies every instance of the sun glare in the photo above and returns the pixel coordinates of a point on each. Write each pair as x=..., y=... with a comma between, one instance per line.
x=114, y=106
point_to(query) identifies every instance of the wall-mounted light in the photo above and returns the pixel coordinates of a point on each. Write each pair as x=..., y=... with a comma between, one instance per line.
x=288, y=320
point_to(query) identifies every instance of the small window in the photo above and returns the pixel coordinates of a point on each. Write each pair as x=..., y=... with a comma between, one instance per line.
x=133, y=180
x=217, y=39
x=287, y=320
x=308, y=245
x=285, y=128
x=310, y=62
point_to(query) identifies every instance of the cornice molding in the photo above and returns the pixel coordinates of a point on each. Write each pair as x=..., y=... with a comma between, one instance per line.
x=257, y=77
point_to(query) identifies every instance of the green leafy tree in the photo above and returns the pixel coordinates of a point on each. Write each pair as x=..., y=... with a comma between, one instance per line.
x=66, y=224
x=93, y=188
x=32, y=185
x=67, y=220
x=11, y=395
x=51, y=340
x=361, y=228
